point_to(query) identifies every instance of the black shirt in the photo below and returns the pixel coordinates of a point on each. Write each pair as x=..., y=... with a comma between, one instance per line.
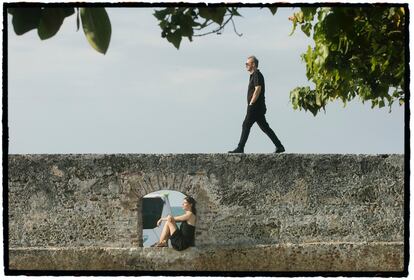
x=257, y=79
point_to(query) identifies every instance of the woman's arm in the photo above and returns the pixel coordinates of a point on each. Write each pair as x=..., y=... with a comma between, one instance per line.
x=183, y=218
x=160, y=220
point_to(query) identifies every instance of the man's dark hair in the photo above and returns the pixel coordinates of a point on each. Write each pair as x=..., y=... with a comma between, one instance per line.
x=255, y=60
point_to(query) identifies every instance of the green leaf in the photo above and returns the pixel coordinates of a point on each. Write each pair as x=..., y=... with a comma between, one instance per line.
x=295, y=23
x=186, y=30
x=234, y=12
x=294, y=96
x=186, y=25
x=299, y=16
x=50, y=22
x=97, y=28
x=273, y=10
x=215, y=14
x=161, y=14
x=175, y=38
x=68, y=11
x=308, y=13
x=373, y=63
x=318, y=96
x=306, y=28
x=25, y=19
x=324, y=51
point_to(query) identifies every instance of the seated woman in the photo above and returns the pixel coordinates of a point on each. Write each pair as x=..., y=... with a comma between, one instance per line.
x=183, y=237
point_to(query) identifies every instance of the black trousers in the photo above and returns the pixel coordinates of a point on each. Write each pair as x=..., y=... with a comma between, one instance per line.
x=254, y=115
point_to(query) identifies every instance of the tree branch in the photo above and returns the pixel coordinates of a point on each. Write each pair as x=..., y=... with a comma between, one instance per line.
x=217, y=30
x=204, y=25
x=235, y=31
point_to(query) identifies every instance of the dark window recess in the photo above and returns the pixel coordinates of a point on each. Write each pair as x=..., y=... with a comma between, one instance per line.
x=151, y=211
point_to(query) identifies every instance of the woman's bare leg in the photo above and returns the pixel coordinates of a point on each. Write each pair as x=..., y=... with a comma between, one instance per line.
x=171, y=224
x=169, y=228
x=165, y=233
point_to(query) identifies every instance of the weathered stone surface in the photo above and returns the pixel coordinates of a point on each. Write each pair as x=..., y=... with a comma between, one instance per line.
x=257, y=202
x=282, y=257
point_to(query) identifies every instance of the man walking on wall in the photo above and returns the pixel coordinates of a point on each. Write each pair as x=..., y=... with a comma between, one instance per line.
x=256, y=108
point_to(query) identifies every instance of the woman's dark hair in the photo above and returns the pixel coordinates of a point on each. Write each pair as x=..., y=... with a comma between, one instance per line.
x=191, y=200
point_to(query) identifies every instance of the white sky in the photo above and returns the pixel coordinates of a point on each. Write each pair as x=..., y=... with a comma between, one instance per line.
x=144, y=96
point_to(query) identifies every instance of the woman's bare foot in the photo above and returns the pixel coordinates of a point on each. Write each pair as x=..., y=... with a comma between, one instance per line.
x=162, y=244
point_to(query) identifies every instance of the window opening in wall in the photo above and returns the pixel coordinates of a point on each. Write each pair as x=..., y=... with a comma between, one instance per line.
x=156, y=205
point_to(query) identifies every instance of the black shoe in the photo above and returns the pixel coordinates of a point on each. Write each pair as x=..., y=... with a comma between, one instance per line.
x=237, y=151
x=279, y=150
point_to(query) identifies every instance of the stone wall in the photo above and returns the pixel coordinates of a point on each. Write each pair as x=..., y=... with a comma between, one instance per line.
x=260, y=212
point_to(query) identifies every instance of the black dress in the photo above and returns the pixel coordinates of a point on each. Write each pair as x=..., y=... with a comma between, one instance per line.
x=183, y=237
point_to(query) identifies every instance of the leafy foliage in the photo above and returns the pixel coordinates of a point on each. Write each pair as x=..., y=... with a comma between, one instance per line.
x=47, y=21
x=181, y=22
x=357, y=52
